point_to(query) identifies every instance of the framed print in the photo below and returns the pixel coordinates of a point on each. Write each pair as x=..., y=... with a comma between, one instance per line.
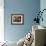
x=17, y=19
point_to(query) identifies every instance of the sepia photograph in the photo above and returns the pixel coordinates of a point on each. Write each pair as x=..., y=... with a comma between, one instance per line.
x=17, y=18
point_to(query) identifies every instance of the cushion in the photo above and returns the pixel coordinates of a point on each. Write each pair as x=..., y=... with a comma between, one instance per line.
x=20, y=42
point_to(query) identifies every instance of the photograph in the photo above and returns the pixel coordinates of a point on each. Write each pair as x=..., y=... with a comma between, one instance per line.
x=17, y=19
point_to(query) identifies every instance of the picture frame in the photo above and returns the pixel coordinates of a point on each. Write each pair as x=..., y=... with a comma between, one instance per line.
x=17, y=19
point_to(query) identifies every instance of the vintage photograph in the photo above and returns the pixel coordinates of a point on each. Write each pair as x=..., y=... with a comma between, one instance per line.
x=17, y=19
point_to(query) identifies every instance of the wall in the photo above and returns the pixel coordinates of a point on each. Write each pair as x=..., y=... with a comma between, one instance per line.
x=26, y=7
x=43, y=6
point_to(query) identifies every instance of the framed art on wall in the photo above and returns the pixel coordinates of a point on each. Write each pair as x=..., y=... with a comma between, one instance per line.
x=17, y=19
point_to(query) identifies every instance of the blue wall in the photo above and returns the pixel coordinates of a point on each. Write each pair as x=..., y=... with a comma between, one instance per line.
x=43, y=6
x=26, y=7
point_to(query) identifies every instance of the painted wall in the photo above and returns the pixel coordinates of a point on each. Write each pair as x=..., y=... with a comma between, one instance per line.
x=26, y=7
x=43, y=6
